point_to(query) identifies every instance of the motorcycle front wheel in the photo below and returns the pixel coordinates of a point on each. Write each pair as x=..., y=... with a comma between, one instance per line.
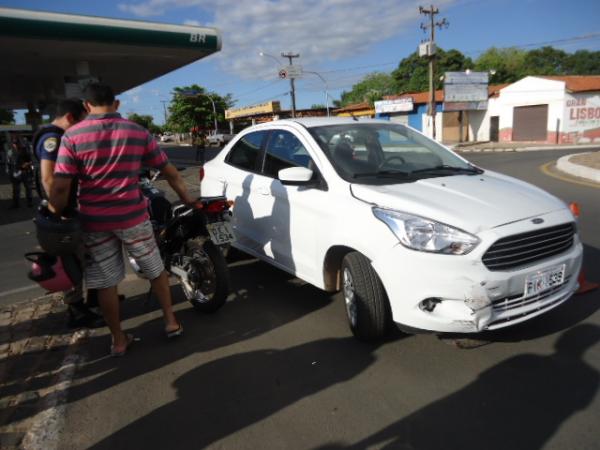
x=208, y=285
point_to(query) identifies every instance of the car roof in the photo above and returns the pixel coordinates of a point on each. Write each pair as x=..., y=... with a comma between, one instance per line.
x=310, y=122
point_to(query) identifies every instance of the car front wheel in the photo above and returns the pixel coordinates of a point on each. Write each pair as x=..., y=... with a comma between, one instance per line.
x=367, y=306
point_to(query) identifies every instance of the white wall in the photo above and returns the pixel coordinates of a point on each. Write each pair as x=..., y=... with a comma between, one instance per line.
x=532, y=91
x=427, y=131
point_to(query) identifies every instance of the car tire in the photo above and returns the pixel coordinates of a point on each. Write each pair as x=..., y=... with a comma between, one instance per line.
x=367, y=305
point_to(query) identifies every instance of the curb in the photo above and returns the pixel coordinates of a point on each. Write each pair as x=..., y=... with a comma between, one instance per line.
x=563, y=164
x=523, y=149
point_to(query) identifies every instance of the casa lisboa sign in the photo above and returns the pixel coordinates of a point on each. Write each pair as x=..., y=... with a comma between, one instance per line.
x=397, y=105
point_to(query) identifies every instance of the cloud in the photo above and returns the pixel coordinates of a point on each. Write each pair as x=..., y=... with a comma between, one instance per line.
x=192, y=22
x=133, y=92
x=320, y=30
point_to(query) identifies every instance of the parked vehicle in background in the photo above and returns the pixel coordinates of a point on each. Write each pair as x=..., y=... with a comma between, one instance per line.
x=409, y=231
x=219, y=138
x=167, y=136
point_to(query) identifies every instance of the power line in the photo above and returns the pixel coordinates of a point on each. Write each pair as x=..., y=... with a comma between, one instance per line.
x=258, y=89
x=540, y=44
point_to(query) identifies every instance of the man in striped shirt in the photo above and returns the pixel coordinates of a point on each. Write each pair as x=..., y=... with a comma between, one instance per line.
x=106, y=152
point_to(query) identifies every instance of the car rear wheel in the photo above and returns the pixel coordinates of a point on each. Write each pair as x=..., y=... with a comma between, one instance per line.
x=367, y=305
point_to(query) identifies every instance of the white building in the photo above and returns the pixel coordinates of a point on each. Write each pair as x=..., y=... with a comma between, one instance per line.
x=545, y=109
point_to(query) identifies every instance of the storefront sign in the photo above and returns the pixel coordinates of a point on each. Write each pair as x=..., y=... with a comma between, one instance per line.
x=466, y=78
x=466, y=106
x=397, y=105
x=582, y=117
x=465, y=91
x=262, y=108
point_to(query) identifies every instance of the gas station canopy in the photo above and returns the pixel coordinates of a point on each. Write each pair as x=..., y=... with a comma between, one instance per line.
x=45, y=55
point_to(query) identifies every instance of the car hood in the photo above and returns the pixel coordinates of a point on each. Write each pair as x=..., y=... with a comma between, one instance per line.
x=473, y=203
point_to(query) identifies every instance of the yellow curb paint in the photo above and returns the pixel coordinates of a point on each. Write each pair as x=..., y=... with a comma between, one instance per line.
x=545, y=168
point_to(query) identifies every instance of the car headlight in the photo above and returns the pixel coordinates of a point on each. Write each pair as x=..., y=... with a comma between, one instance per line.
x=426, y=235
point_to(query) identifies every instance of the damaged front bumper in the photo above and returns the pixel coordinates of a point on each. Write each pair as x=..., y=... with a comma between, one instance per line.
x=458, y=294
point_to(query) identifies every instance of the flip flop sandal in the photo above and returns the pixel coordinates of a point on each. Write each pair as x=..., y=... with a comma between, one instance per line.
x=175, y=333
x=130, y=340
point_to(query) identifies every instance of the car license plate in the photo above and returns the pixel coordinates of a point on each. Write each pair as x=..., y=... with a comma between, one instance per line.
x=220, y=232
x=539, y=282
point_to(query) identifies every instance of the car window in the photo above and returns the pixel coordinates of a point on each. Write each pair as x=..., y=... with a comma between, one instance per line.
x=246, y=152
x=385, y=153
x=285, y=150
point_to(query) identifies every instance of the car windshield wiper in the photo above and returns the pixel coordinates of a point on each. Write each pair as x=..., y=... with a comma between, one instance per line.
x=383, y=174
x=445, y=169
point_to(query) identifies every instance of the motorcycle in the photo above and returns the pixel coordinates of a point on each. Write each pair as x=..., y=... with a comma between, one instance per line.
x=190, y=240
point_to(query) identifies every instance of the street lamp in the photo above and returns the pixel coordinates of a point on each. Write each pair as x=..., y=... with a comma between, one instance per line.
x=326, y=88
x=270, y=56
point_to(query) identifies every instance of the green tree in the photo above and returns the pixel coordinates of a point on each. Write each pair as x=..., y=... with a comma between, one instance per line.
x=372, y=87
x=145, y=120
x=504, y=64
x=7, y=116
x=191, y=107
x=583, y=62
x=545, y=61
x=412, y=74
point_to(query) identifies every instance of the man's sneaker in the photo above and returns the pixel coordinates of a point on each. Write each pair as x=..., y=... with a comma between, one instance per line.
x=80, y=316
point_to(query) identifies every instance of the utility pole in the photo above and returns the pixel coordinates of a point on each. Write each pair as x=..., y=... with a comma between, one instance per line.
x=432, y=11
x=164, y=103
x=291, y=56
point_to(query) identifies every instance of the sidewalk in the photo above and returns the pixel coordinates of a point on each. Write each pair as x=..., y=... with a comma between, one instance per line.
x=582, y=165
x=491, y=147
x=37, y=360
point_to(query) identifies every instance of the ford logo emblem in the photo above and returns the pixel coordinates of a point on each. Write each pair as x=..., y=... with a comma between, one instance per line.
x=537, y=220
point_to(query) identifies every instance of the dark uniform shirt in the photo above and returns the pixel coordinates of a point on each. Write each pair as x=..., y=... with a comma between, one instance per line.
x=46, y=143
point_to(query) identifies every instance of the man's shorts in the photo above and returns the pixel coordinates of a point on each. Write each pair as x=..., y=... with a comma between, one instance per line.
x=105, y=265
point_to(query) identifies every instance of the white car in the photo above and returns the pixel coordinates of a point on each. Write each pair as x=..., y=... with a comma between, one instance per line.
x=219, y=139
x=408, y=230
x=167, y=137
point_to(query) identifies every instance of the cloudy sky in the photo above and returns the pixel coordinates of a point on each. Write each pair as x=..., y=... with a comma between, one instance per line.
x=341, y=39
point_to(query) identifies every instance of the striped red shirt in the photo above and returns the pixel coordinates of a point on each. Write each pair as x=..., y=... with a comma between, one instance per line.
x=106, y=152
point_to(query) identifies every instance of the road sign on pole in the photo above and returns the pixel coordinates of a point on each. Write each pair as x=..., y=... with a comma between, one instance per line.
x=293, y=71
x=283, y=74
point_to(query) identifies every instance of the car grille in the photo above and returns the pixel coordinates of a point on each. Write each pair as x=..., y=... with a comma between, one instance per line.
x=518, y=301
x=528, y=248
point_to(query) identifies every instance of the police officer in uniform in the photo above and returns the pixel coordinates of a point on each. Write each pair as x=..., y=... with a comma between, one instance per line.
x=46, y=142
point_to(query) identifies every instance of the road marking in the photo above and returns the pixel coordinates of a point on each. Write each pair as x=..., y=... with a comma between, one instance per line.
x=17, y=290
x=545, y=168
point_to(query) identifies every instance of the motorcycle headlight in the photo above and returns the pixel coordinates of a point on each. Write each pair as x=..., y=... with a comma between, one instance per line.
x=426, y=235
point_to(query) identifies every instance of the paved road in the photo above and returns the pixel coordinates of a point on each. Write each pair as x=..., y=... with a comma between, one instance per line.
x=277, y=368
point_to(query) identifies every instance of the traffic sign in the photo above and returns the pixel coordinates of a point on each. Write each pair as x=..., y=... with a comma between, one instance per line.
x=293, y=71
x=283, y=74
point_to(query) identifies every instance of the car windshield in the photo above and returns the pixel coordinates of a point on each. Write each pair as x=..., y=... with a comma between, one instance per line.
x=380, y=153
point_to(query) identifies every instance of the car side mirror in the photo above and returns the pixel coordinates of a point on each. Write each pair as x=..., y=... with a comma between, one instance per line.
x=295, y=176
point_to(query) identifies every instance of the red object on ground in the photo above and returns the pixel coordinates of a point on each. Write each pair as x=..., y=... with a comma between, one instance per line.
x=585, y=285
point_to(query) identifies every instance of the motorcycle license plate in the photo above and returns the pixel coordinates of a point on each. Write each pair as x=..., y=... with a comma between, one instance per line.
x=539, y=282
x=220, y=232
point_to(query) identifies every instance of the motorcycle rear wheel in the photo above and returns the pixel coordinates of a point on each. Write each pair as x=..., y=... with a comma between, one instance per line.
x=209, y=275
